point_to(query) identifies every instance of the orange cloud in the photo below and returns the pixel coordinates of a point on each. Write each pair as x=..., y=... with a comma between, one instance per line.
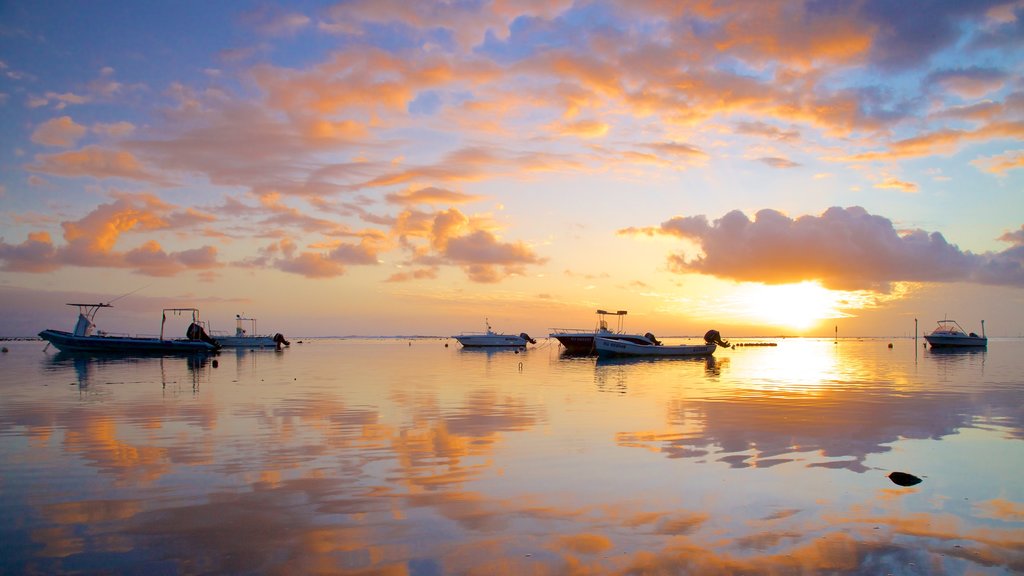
x=454, y=238
x=37, y=254
x=1000, y=163
x=431, y=195
x=969, y=83
x=583, y=129
x=942, y=141
x=59, y=132
x=91, y=240
x=896, y=184
x=95, y=162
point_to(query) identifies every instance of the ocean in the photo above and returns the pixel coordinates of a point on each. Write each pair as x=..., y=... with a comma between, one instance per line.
x=418, y=457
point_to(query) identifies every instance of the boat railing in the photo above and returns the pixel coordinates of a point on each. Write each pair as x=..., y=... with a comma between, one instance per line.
x=568, y=330
x=106, y=334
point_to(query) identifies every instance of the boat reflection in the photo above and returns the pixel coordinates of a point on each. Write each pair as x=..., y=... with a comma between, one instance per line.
x=492, y=350
x=383, y=458
x=612, y=374
x=112, y=366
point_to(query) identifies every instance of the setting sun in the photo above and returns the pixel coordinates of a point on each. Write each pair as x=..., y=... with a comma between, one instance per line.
x=797, y=306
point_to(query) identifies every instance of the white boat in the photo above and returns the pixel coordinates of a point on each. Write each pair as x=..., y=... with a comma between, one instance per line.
x=607, y=347
x=245, y=336
x=86, y=338
x=490, y=338
x=580, y=341
x=949, y=334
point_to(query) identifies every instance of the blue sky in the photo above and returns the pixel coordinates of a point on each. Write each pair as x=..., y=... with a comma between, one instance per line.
x=417, y=167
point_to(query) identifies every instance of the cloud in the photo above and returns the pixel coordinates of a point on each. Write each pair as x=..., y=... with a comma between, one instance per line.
x=151, y=259
x=60, y=132
x=843, y=248
x=275, y=22
x=36, y=254
x=776, y=162
x=969, y=83
x=1000, y=163
x=95, y=162
x=453, y=238
x=767, y=131
x=325, y=264
x=582, y=128
x=467, y=24
x=91, y=240
x=114, y=129
x=431, y=195
x=943, y=141
x=896, y=184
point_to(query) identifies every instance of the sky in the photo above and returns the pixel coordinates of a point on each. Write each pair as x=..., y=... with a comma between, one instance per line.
x=383, y=167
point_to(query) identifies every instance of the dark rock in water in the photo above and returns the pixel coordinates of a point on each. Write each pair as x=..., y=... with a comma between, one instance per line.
x=904, y=479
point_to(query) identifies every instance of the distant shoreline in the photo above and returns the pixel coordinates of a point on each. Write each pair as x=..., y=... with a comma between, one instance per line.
x=685, y=336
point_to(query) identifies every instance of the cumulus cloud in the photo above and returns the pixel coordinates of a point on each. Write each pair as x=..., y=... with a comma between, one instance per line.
x=843, y=248
x=91, y=241
x=59, y=132
x=453, y=238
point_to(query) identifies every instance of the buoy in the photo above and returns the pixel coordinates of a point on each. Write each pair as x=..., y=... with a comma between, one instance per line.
x=904, y=479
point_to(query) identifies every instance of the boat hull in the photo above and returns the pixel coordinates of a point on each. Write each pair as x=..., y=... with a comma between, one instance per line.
x=957, y=341
x=490, y=340
x=583, y=342
x=68, y=342
x=607, y=347
x=246, y=341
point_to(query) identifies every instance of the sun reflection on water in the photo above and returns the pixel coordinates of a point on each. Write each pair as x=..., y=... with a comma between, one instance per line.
x=351, y=456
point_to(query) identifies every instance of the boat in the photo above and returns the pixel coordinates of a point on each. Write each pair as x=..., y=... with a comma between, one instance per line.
x=490, y=338
x=609, y=347
x=949, y=334
x=581, y=342
x=245, y=336
x=86, y=338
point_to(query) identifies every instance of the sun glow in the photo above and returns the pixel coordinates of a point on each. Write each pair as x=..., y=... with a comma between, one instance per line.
x=798, y=306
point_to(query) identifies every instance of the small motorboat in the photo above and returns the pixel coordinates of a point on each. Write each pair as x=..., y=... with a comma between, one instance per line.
x=949, y=334
x=609, y=347
x=245, y=336
x=581, y=342
x=86, y=338
x=490, y=338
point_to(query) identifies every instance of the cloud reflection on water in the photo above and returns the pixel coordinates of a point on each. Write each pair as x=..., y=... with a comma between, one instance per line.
x=486, y=468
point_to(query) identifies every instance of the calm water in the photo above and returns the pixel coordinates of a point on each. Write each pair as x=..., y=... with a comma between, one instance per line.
x=399, y=457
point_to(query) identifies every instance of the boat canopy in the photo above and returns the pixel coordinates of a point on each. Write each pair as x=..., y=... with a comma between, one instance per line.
x=86, y=316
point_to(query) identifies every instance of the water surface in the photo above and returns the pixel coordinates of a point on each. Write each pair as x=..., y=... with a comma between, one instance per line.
x=410, y=457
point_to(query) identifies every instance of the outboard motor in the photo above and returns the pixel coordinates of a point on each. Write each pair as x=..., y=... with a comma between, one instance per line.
x=653, y=340
x=196, y=332
x=713, y=336
x=280, y=341
x=526, y=337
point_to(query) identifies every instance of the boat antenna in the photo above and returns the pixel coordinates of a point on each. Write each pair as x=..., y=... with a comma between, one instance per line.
x=129, y=293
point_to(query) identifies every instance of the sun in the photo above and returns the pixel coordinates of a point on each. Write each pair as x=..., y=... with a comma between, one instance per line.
x=798, y=306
